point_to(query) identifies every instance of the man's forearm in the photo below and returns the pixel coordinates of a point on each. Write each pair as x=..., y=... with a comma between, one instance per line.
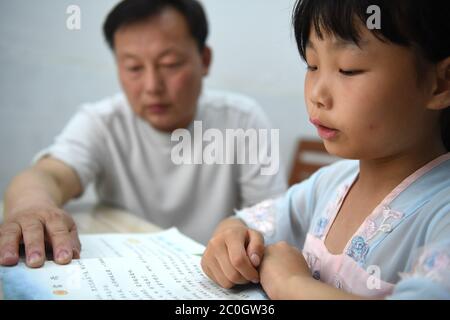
x=35, y=186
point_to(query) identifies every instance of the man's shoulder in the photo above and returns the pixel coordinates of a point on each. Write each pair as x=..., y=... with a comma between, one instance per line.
x=214, y=100
x=107, y=107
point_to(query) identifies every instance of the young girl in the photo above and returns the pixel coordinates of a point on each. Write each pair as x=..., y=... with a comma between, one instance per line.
x=377, y=226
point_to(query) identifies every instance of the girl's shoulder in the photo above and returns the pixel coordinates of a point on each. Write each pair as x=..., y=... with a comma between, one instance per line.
x=332, y=176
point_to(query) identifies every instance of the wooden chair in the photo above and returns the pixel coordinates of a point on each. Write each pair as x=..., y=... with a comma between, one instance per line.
x=310, y=156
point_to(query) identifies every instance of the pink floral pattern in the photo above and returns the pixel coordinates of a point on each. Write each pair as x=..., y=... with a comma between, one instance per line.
x=370, y=229
x=380, y=222
x=261, y=216
x=358, y=249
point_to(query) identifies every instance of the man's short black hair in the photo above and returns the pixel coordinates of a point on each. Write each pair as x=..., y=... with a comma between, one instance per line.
x=131, y=11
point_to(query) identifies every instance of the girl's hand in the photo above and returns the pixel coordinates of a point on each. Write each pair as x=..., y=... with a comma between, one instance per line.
x=233, y=254
x=283, y=270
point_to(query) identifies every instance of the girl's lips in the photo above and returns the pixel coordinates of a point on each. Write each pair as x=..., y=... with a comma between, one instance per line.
x=324, y=132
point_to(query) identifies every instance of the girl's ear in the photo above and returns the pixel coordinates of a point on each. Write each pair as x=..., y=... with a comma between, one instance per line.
x=441, y=91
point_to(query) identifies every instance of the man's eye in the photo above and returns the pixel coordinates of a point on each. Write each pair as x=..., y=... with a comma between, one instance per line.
x=134, y=69
x=171, y=65
x=350, y=72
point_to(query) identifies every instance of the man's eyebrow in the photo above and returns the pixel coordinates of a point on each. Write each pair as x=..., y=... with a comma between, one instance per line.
x=168, y=51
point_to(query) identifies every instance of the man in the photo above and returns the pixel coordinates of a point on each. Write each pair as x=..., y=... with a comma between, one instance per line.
x=123, y=143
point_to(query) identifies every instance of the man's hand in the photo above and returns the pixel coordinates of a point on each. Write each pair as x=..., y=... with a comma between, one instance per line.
x=34, y=226
x=33, y=215
x=233, y=254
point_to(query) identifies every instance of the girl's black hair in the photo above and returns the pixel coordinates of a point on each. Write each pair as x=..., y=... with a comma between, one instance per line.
x=419, y=24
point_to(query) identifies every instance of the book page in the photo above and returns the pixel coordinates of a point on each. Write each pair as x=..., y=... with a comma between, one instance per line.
x=164, y=265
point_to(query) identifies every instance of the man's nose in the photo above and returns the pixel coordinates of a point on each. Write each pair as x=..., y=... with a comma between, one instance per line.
x=153, y=81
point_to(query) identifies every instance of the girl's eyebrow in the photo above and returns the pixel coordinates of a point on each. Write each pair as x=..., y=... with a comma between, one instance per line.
x=347, y=44
x=341, y=44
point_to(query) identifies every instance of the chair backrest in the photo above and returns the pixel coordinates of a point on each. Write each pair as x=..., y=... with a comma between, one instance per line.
x=310, y=156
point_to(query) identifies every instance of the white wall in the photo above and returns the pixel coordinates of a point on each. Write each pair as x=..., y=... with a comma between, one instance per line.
x=48, y=70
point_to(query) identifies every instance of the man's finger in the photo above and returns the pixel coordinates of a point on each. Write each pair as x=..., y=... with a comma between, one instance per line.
x=61, y=240
x=76, y=244
x=33, y=238
x=10, y=236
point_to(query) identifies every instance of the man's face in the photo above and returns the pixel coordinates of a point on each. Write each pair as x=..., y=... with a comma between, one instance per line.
x=161, y=69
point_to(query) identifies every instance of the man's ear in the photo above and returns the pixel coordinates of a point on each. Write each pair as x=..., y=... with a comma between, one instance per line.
x=441, y=90
x=206, y=59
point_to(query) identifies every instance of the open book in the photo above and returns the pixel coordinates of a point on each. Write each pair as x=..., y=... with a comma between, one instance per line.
x=163, y=265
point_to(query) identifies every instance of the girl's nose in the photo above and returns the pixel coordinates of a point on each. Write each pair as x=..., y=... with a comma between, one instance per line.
x=320, y=95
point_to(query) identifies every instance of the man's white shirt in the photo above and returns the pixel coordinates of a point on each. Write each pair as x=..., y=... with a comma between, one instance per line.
x=130, y=163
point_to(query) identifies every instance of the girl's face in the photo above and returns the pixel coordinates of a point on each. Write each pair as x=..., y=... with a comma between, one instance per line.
x=366, y=101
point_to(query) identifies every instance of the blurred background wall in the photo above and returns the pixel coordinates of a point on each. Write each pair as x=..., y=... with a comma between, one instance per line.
x=47, y=70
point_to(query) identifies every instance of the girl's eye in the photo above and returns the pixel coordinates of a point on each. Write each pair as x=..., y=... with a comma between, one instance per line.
x=350, y=72
x=311, y=68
